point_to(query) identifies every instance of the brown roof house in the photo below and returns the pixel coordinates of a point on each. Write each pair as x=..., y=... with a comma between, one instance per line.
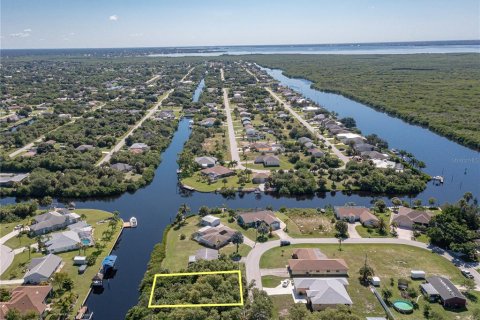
x=253, y=219
x=317, y=267
x=353, y=214
x=308, y=254
x=214, y=237
x=217, y=172
x=407, y=217
x=26, y=299
x=260, y=177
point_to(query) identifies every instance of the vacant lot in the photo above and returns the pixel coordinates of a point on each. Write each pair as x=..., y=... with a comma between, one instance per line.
x=307, y=223
x=440, y=91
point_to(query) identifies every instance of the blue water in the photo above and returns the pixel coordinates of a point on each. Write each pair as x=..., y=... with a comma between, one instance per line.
x=198, y=91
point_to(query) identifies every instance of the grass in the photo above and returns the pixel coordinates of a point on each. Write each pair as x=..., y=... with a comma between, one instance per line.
x=366, y=232
x=306, y=222
x=271, y=281
x=198, y=183
x=281, y=305
x=387, y=260
x=401, y=85
x=243, y=249
x=250, y=233
x=81, y=282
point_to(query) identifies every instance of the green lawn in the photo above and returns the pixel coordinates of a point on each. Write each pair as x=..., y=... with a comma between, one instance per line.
x=243, y=249
x=199, y=184
x=365, y=232
x=281, y=305
x=271, y=281
x=250, y=233
x=387, y=260
x=307, y=223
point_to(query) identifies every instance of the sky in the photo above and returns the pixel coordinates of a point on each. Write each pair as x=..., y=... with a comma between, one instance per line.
x=167, y=23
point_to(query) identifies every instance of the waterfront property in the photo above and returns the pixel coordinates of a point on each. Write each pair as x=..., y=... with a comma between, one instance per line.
x=217, y=172
x=210, y=220
x=203, y=254
x=407, y=217
x=52, y=220
x=255, y=218
x=214, y=237
x=41, y=269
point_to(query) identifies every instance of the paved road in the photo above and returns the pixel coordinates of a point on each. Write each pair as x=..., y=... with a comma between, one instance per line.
x=231, y=136
x=153, y=79
x=9, y=236
x=121, y=143
x=188, y=73
x=252, y=263
x=222, y=75
x=309, y=127
x=7, y=258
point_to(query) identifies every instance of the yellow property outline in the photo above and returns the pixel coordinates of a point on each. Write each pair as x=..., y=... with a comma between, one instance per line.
x=196, y=305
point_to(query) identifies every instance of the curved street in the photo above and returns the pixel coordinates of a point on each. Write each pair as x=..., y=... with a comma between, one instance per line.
x=252, y=261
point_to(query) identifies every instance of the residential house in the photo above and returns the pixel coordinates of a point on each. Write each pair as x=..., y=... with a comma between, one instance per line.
x=138, y=147
x=363, y=147
x=317, y=267
x=217, y=172
x=203, y=254
x=317, y=153
x=259, y=178
x=354, y=213
x=9, y=179
x=448, y=293
x=208, y=122
x=304, y=140
x=51, y=221
x=84, y=147
x=374, y=155
x=210, y=220
x=407, y=217
x=307, y=254
x=268, y=161
x=41, y=269
x=63, y=241
x=323, y=293
x=206, y=162
x=27, y=299
x=123, y=167
x=214, y=237
x=253, y=219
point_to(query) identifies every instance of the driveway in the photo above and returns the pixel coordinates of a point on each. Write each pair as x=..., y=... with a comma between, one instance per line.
x=278, y=272
x=252, y=264
x=280, y=290
x=406, y=234
x=11, y=282
x=352, y=231
x=9, y=236
x=7, y=258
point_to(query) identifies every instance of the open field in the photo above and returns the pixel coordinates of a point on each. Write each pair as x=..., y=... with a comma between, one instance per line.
x=197, y=182
x=307, y=223
x=439, y=91
x=388, y=261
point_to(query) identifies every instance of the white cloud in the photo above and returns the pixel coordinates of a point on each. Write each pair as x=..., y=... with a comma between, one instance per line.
x=20, y=35
x=27, y=30
x=136, y=35
x=113, y=18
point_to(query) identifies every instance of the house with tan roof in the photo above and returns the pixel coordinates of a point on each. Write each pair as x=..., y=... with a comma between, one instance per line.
x=353, y=213
x=317, y=267
x=26, y=299
x=254, y=218
x=307, y=253
x=214, y=237
x=217, y=172
x=407, y=217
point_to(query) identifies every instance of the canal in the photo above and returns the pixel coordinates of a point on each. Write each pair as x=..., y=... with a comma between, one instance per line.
x=156, y=205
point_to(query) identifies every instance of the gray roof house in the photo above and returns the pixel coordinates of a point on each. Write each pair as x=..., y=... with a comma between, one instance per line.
x=63, y=241
x=268, y=161
x=41, y=269
x=449, y=295
x=304, y=140
x=8, y=179
x=323, y=292
x=49, y=221
x=84, y=147
x=123, y=167
x=210, y=220
x=363, y=147
x=203, y=254
x=139, y=146
x=206, y=162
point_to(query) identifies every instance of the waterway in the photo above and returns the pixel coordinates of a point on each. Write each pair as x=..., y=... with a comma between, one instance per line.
x=156, y=205
x=198, y=91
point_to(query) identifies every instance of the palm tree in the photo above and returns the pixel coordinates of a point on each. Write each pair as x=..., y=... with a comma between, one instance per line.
x=237, y=239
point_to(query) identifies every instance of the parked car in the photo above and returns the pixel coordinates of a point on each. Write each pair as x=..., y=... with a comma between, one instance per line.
x=285, y=283
x=284, y=243
x=467, y=274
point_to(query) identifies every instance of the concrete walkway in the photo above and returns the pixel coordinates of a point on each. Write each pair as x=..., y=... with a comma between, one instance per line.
x=307, y=125
x=11, y=282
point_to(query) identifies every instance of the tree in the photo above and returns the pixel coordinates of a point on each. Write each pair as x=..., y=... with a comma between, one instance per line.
x=203, y=211
x=4, y=295
x=382, y=226
x=366, y=272
x=298, y=312
x=262, y=229
x=58, y=279
x=386, y=294
x=396, y=202
x=432, y=201
x=426, y=310
x=469, y=284
x=224, y=181
x=342, y=229
x=237, y=239
x=380, y=206
x=348, y=122
x=261, y=306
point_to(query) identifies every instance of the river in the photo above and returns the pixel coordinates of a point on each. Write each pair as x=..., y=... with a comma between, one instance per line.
x=156, y=205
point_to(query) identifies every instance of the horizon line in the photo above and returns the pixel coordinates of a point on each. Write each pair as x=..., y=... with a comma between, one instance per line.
x=247, y=45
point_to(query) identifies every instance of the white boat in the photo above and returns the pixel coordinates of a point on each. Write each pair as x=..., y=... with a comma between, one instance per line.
x=438, y=178
x=133, y=222
x=191, y=121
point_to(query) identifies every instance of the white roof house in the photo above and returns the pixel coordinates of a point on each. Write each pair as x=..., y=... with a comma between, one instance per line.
x=348, y=135
x=324, y=292
x=41, y=269
x=210, y=221
x=63, y=241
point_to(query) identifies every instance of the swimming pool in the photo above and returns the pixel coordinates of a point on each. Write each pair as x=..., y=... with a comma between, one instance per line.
x=86, y=242
x=403, y=306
